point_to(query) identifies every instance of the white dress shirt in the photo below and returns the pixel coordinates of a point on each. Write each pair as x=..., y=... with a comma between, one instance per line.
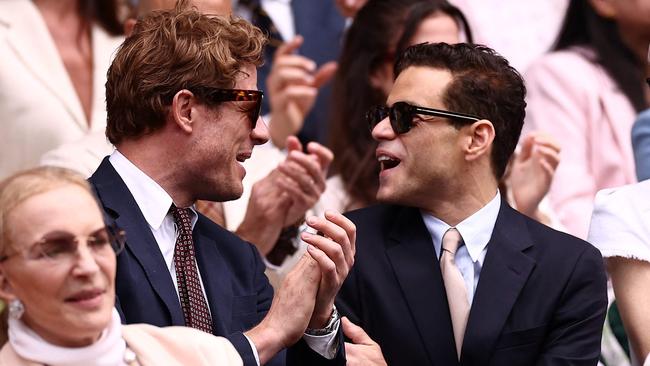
x=154, y=203
x=476, y=231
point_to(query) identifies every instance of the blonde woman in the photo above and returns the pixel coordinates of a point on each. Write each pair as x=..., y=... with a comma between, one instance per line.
x=57, y=273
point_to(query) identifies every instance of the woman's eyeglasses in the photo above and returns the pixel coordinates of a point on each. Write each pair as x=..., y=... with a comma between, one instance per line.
x=401, y=115
x=63, y=247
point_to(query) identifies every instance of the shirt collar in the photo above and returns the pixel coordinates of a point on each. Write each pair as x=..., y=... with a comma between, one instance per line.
x=476, y=230
x=151, y=198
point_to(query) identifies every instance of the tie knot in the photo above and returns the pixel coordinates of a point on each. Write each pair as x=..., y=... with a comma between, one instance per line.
x=183, y=218
x=451, y=241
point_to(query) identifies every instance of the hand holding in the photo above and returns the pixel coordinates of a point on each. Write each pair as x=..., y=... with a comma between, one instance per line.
x=363, y=351
x=334, y=251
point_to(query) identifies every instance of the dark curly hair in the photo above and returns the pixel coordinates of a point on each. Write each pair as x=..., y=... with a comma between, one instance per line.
x=483, y=84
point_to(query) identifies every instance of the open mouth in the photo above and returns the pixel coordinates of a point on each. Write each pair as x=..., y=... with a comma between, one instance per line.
x=387, y=162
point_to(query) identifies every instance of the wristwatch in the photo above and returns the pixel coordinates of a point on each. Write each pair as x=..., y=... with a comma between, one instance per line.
x=329, y=328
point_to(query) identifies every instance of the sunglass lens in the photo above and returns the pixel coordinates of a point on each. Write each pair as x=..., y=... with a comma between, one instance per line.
x=375, y=115
x=401, y=117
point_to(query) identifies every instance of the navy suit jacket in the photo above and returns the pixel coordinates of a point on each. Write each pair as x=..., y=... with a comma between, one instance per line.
x=239, y=294
x=541, y=297
x=322, y=28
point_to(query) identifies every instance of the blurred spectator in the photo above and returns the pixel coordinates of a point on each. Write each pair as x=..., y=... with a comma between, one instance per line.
x=587, y=93
x=85, y=154
x=519, y=30
x=620, y=229
x=53, y=61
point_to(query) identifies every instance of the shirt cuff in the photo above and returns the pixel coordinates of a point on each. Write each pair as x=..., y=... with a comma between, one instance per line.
x=325, y=345
x=257, y=357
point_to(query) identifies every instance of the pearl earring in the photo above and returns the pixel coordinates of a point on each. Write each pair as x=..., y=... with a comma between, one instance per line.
x=16, y=309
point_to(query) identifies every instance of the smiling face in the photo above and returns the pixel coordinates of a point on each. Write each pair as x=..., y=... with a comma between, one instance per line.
x=68, y=304
x=420, y=163
x=222, y=139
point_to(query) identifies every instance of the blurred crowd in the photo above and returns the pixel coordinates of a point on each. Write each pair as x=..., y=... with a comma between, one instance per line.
x=103, y=105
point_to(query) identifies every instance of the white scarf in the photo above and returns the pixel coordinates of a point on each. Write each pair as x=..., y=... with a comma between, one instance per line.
x=107, y=351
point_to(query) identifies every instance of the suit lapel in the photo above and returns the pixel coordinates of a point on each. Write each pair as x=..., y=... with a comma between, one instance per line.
x=504, y=273
x=413, y=259
x=30, y=39
x=217, y=286
x=119, y=203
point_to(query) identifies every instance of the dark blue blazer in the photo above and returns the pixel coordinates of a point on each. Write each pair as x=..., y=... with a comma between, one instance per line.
x=541, y=298
x=239, y=294
x=322, y=27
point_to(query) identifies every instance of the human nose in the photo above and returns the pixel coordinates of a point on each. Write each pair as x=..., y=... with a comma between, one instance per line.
x=260, y=134
x=85, y=261
x=383, y=130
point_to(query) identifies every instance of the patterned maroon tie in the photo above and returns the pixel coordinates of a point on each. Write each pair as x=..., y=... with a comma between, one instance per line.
x=195, y=309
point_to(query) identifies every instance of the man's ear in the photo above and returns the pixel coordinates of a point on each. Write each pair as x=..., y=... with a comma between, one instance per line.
x=604, y=8
x=480, y=136
x=182, y=110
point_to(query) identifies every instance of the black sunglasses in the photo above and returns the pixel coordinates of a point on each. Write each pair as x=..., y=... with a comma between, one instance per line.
x=218, y=95
x=401, y=115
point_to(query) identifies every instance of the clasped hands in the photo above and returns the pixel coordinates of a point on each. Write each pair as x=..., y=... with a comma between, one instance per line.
x=306, y=296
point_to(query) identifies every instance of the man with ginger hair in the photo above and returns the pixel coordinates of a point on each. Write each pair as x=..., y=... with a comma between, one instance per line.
x=183, y=113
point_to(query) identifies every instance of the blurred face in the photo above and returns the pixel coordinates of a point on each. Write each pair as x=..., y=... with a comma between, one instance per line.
x=631, y=16
x=223, y=140
x=438, y=27
x=67, y=302
x=419, y=163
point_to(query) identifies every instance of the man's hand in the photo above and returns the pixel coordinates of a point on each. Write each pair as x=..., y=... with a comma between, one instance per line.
x=363, y=351
x=305, y=175
x=334, y=251
x=292, y=307
x=293, y=86
x=532, y=171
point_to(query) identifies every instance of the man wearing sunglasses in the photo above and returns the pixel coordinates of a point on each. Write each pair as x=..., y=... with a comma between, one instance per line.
x=184, y=113
x=446, y=272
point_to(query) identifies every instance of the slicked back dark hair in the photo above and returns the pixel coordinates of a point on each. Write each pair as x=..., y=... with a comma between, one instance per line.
x=483, y=84
x=584, y=27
